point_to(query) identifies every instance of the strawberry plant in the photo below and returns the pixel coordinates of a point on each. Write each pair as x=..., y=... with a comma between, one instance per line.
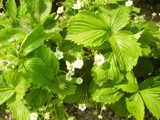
x=83, y=52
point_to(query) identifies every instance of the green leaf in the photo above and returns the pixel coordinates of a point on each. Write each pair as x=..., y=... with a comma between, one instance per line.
x=120, y=107
x=132, y=85
x=48, y=57
x=151, y=98
x=108, y=71
x=135, y=106
x=10, y=34
x=1, y=4
x=40, y=95
x=62, y=87
x=20, y=112
x=33, y=40
x=11, y=8
x=150, y=83
x=115, y=18
x=43, y=8
x=21, y=88
x=127, y=51
x=107, y=95
x=88, y=29
x=119, y=18
x=5, y=94
x=40, y=72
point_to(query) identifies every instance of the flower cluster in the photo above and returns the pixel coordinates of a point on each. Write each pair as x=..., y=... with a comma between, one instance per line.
x=71, y=67
x=78, y=5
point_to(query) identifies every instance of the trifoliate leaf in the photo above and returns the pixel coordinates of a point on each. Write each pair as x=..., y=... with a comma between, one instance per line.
x=88, y=29
x=151, y=98
x=126, y=49
x=38, y=97
x=107, y=95
x=5, y=94
x=20, y=111
x=135, y=106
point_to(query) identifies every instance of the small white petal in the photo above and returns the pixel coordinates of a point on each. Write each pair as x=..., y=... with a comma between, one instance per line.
x=60, y=10
x=99, y=59
x=70, y=66
x=129, y=3
x=33, y=116
x=82, y=107
x=76, y=6
x=78, y=63
x=58, y=54
x=79, y=80
x=69, y=75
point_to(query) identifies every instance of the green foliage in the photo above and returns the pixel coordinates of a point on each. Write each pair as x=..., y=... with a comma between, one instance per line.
x=151, y=98
x=118, y=57
x=135, y=106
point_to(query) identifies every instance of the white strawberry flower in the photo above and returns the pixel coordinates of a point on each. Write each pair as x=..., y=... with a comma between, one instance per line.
x=60, y=10
x=33, y=116
x=78, y=63
x=4, y=64
x=79, y=80
x=58, y=54
x=82, y=107
x=99, y=59
x=69, y=75
x=129, y=3
x=138, y=19
x=70, y=66
x=100, y=117
x=78, y=5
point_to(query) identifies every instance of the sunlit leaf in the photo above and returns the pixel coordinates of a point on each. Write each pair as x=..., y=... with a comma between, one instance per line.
x=135, y=106
x=151, y=98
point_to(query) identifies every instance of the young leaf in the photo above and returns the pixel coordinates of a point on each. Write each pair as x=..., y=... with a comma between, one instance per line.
x=41, y=95
x=5, y=94
x=33, y=40
x=88, y=29
x=40, y=72
x=11, y=8
x=20, y=112
x=48, y=57
x=135, y=106
x=126, y=49
x=107, y=95
x=151, y=98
